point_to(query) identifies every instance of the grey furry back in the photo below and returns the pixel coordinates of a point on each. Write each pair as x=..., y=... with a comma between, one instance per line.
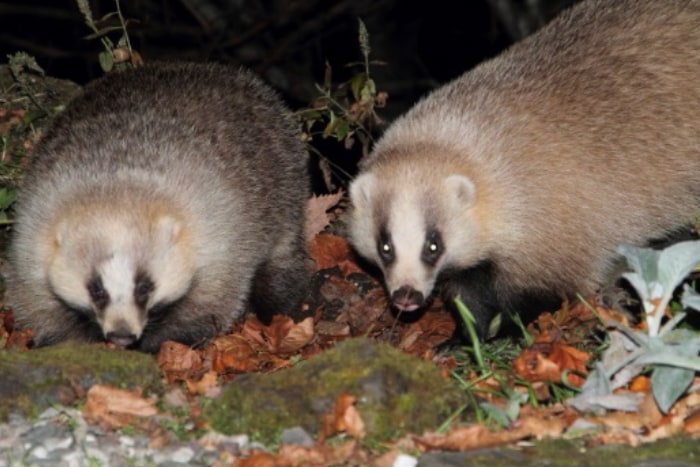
x=209, y=142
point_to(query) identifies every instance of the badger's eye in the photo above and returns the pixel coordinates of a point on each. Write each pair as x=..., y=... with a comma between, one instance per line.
x=385, y=248
x=143, y=286
x=98, y=294
x=432, y=250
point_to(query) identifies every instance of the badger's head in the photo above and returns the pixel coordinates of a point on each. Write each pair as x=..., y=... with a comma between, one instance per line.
x=414, y=226
x=118, y=268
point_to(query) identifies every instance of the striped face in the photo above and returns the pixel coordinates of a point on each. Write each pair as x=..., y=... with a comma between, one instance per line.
x=118, y=273
x=411, y=232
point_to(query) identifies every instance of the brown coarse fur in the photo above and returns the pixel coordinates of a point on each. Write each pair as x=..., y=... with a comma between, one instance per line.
x=580, y=138
x=156, y=204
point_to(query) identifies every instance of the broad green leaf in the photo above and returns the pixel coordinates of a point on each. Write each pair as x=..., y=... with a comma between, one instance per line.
x=496, y=414
x=7, y=197
x=342, y=130
x=676, y=262
x=356, y=85
x=106, y=61
x=668, y=384
x=369, y=90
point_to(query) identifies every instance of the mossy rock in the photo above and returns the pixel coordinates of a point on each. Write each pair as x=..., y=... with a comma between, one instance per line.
x=396, y=394
x=37, y=379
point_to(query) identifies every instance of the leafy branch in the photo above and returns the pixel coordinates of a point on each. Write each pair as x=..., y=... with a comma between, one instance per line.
x=348, y=111
x=117, y=56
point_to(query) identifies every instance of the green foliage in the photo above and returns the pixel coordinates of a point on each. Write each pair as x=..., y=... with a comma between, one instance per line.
x=116, y=56
x=667, y=351
x=21, y=61
x=469, y=324
x=345, y=112
x=7, y=198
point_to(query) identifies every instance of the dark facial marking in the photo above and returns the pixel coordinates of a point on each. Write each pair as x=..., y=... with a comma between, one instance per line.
x=98, y=294
x=433, y=247
x=143, y=287
x=385, y=247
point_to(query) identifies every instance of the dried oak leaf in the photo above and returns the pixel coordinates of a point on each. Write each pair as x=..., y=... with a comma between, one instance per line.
x=365, y=312
x=233, y=354
x=11, y=337
x=568, y=324
x=343, y=419
x=115, y=408
x=545, y=424
x=261, y=459
x=283, y=335
x=179, y=362
x=545, y=361
x=348, y=453
x=429, y=331
x=331, y=250
x=207, y=385
x=317, y=216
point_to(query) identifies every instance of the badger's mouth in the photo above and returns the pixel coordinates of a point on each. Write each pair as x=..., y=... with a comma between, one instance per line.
x=406, y=298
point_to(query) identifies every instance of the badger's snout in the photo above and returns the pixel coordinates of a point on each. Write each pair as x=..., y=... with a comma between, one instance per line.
x=406, y=298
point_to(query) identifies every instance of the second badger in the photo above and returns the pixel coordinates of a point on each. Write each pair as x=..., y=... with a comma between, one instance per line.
x=156, y=204
x=513, y=185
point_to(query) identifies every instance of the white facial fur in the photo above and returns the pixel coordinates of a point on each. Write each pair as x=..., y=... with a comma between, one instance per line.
x=116, y=250
x=404, y=209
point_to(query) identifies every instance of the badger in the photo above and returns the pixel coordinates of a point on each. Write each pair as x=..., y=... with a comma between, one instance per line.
x=512, y=186
x=160, y=205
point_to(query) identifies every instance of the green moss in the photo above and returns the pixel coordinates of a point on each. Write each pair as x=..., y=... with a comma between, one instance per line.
x=679, y=451
x=396, y=393
x=36, y=379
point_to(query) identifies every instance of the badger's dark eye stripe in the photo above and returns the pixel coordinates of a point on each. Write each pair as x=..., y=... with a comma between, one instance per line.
x=433, y=247
x=385, y=247
x=143, y=287
x=98, y=294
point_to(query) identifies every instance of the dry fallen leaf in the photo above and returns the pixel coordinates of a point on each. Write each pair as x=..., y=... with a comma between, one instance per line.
x=343, y=419
x=433, y=328
x=115, y=408
x=464, y=438
x=569, y=325
x=330, y=251
x=233, y=354
x=546, y=360
x=348, y=453
x=260, y=459
x=207, y=386
x=179, y=362
x=317, y=217
x=283, y=335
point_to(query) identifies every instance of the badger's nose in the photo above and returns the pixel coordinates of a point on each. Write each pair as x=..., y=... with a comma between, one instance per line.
x=406, y=298
x=122, y=338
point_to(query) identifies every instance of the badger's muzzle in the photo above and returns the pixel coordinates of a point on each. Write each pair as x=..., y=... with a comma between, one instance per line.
x=406, y=298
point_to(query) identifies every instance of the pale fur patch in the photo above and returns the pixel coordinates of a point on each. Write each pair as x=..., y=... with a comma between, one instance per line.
x=117, y=275
x=407, y=227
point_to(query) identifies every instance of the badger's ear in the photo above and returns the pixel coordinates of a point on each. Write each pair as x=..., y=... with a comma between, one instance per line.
x=61, y=233
x=462, y=188
x=361, y=190
x=168, y=229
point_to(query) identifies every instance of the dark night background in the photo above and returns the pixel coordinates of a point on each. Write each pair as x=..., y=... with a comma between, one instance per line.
x=287, y=42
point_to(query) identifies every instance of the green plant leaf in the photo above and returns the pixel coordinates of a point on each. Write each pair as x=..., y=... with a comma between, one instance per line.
x=342, y=130
x=656, y=274
x=356, y=84
x=496, y=414
x=7, y=197
x=369, y=90
x=690, y=298
x=668, y=384
x=677, y=261
x=106, y=61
